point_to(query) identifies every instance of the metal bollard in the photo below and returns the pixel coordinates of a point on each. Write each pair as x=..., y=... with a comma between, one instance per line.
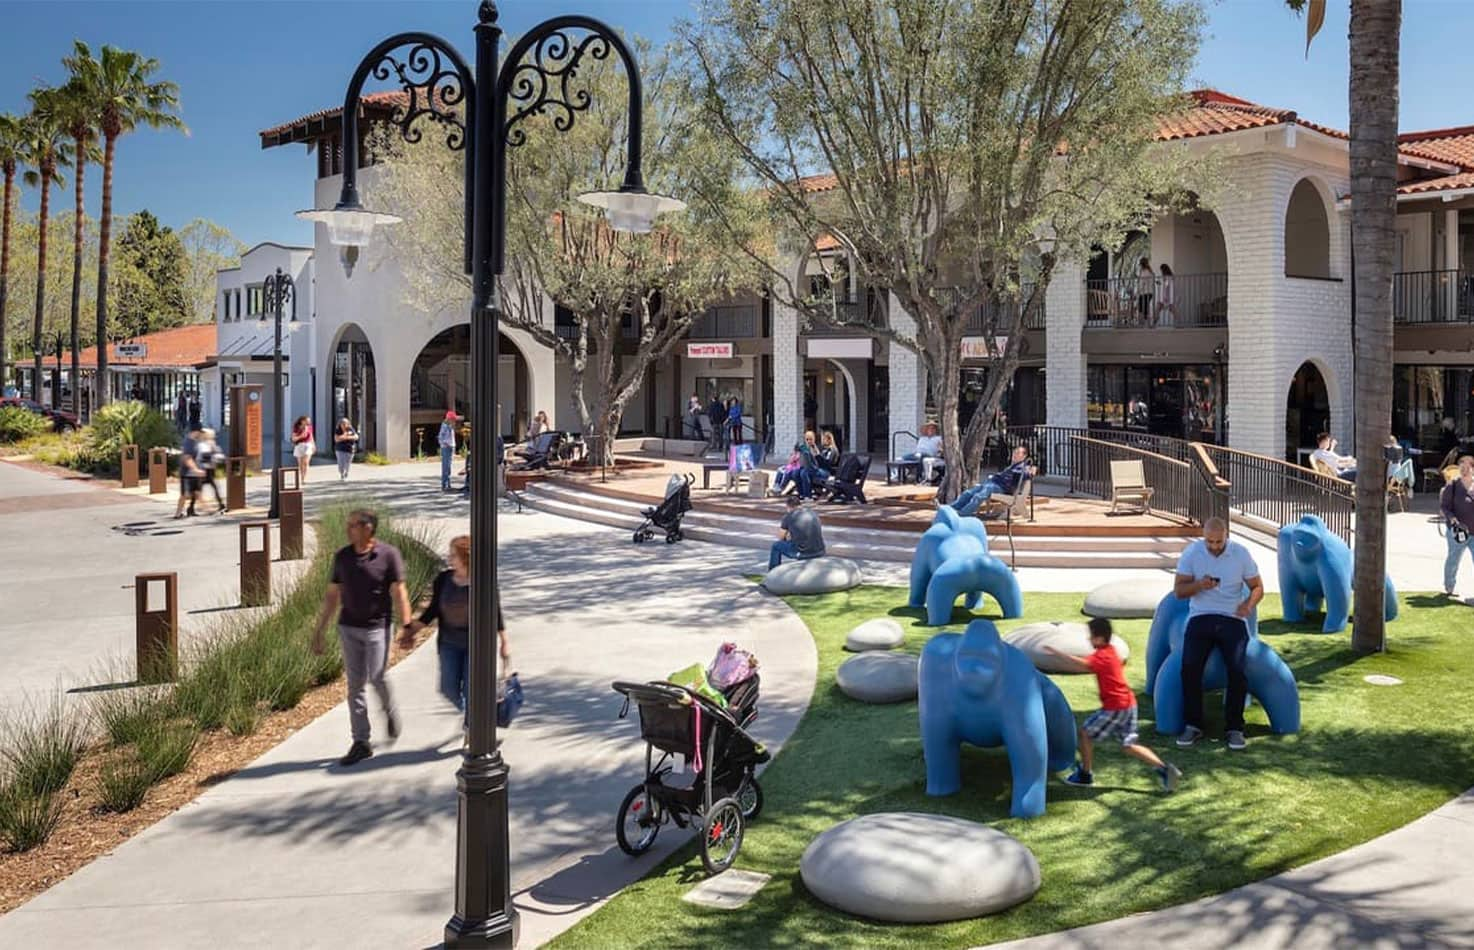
x=129, y=465
x=156, y=600
x=158, y=471
x=289, y=511
x=255, y=563
x=235, y=483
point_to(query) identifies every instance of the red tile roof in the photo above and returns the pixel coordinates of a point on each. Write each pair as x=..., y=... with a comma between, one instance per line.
x=1435, y=185
x=180, y=346
x=1455, y=146
x=384, y=101
x=1211, y=112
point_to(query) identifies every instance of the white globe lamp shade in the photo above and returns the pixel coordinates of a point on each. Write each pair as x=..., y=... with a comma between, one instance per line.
x=632, y=211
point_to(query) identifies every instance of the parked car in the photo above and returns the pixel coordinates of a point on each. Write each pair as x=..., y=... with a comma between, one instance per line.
x=61, y=420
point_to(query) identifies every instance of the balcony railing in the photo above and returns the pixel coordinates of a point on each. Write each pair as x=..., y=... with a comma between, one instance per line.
x=1433, y=296
x=856, y=314
x=724, y=323
x=1006, y=311
x=1185, y=300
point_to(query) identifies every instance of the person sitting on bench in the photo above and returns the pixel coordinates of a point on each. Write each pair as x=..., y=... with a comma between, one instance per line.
x=1007, y=481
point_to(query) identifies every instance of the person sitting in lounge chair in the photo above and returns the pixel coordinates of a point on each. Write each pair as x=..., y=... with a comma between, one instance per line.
x=1343, y=466
x=1006, y=481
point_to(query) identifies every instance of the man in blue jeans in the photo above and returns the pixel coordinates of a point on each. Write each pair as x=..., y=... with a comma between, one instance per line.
x=1006, y=481
x=1213, y=574
x=447, y=442
x=800, y=535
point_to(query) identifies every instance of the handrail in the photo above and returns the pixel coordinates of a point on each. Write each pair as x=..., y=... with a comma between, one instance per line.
x=1281, y=493
x=913, y=435
x=1178, y=486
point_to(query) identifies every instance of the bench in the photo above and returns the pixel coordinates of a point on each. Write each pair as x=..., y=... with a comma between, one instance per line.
x=1128, y=484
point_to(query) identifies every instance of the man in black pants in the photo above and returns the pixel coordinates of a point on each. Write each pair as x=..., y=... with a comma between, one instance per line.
x=1213, y=573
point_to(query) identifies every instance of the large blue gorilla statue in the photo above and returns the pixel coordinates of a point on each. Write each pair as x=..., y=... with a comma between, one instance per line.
x=1270, y=680
x=952, y=558
x=975, y=688
x=1316, y=565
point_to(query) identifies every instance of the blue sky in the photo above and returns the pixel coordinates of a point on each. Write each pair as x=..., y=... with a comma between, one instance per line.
x=245, y=66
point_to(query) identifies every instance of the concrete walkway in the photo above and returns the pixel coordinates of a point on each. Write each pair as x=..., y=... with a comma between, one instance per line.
x=295, y=852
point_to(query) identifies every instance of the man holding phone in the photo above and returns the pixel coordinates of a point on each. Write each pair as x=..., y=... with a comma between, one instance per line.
x=1212, y=574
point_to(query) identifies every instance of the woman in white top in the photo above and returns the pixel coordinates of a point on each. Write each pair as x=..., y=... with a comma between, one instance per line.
x=539, y=425
x=1166, y=299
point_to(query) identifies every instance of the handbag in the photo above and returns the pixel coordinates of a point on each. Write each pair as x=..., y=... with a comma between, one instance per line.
x=509, y=703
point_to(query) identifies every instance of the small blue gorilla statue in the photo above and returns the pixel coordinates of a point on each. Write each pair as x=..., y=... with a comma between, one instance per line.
x=973, y=687
x=1270, y=680
x=1316, y=565
x=952, y=558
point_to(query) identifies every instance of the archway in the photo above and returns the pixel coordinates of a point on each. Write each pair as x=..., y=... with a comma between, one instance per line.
x=1307, y=233
x=830, y=401
x=1307, y=411
x=354, y=386
x=440, y=380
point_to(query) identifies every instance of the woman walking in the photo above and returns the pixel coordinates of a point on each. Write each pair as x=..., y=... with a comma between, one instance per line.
x=208, y=456
x=345, y=444
x=1166, y=300
x=303, y=446
x=447, y=442
x=450, y=607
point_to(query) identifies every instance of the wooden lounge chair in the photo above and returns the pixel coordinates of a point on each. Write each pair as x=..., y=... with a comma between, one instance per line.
x=1321, y=468
x=1128, y=483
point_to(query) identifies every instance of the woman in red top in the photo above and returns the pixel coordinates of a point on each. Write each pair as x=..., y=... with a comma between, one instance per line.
x=1117, y=714
x=303, y=446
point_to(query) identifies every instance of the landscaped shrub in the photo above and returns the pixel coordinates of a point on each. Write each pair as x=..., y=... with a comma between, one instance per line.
x=123, y=781
x=125, y=423
x=375, y=458
x=126, y=714
x=27, y=820
x=40, y=748
x=165, y=747
x=18, y=423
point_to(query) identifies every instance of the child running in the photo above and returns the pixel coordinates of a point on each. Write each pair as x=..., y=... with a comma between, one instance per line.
x=1117, y=715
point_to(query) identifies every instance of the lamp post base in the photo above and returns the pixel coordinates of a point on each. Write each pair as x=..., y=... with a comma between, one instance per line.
x=484, y=914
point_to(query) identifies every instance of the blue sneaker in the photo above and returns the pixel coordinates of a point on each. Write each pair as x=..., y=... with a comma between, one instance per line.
x=1080, y=777
x=1169, y=775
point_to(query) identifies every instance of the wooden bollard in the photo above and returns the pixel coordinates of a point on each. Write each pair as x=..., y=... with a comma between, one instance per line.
x=235, y=483
x=129, y=465
x=158, y=471
x=255, y=563
x=156, y=612
x=289, y=513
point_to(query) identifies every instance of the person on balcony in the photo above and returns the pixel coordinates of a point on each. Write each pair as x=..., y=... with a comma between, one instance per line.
x=1344, y=466
x=1146, y=289
x=1166, y=299
x=1007, y=481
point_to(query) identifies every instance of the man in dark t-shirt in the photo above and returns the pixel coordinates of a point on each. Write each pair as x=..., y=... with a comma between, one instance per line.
x=367, y=582
x=800, y=535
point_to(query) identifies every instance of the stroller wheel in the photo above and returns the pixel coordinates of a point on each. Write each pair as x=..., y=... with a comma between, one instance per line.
x=639, y=821
x=750, y=798
x=721, y=835
x=673, y=537
x=639, y=536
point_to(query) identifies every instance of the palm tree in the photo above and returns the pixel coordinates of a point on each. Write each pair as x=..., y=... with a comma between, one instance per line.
x=78, y=114
x=120, y=87
x=46, y=151
x=1376, y=28
x=11, y=139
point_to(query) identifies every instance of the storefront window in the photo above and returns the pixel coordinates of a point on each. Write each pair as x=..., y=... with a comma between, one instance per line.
x=1433, y=406
x=1177, y=401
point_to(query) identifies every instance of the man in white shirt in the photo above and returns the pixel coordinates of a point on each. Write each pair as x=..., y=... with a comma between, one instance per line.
x=1343, y=465
x=1213, y=573
x=928, y=450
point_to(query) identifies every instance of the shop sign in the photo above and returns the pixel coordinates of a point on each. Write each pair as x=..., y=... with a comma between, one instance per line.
x=710, y=351
x=131, y=351
x=976, y=347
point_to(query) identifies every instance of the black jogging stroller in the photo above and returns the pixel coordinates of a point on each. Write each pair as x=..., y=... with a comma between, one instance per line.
x=668, y=514
x=718, y=792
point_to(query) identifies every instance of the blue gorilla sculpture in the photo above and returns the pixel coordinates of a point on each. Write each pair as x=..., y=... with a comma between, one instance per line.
x=1270, y=680
x=1316, y=565
x=973, y=687
x=952, y=558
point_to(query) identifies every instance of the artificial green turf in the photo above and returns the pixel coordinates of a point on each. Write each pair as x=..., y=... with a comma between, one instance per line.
x=1368, y=759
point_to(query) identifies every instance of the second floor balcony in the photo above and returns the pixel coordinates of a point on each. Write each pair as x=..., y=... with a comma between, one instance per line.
x=1183, y=300
x=739, y=321
x=1433, y=297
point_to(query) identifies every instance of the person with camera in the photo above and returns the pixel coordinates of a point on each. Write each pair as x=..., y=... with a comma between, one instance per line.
x=1457, y=505
x=1213, y=574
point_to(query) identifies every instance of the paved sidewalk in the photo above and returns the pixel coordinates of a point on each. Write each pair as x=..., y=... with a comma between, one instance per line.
x=296, y=852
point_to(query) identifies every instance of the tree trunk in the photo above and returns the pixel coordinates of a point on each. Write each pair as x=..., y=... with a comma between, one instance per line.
x=1375, y=29
x=104, y=238
x=5, y=278
x=41, y=291
x=76, y=368
x=945, y=369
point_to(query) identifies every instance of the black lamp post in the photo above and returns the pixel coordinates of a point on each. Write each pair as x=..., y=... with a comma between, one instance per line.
x=437, y=82
x=277, y=289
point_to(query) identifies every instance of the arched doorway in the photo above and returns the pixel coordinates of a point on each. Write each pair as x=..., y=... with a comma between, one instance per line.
x=1307, y=411
x=440, y=380
x=829, y=401
x=355, y=392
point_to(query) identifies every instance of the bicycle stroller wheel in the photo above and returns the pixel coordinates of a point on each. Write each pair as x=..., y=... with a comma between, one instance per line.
x=639, y=821
x=639, y=536
x=721, y=835
x=750, y=797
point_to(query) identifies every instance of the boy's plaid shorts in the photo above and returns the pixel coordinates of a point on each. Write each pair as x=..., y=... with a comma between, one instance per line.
x=1105, y=723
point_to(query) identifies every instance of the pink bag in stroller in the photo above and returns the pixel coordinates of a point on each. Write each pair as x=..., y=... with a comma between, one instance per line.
x=734, y=672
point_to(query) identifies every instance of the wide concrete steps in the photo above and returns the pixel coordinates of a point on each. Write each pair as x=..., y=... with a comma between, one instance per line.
x=757, y=531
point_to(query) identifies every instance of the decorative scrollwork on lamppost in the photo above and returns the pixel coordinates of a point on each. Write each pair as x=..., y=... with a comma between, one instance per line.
x=276, y=291
x=537, y=78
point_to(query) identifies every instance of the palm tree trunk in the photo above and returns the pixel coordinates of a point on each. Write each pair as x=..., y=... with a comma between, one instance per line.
x=41, y=289
x=1375, y=29
x=104, y=239
x=5, y=278
x=76, y=367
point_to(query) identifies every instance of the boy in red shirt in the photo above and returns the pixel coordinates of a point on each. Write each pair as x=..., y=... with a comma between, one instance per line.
x=1117, y=715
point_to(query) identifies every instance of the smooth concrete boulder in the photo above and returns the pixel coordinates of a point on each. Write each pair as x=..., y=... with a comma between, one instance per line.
x=918, y=869
x=1126, y=600
x=820, y=575
x=878, y=634
x=878, y=677
x=1069, y=638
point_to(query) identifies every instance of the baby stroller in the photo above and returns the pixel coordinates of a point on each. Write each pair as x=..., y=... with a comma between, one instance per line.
x=719, y=794
x=668, y=514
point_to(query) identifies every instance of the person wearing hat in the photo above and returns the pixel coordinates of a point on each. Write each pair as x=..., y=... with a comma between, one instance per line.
x=447, y=441
x=929, y=446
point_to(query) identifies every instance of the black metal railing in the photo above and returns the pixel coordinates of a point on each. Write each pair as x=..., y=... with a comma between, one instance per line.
x=857, y=315
x=1184, y=300
x=1004, y=312
x=1053, y=452
x=1179, y=488
x=1281, y=493
x=731, y=322
x=1433, y=296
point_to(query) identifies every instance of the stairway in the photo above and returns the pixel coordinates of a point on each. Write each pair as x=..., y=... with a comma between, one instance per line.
x=758, y=531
